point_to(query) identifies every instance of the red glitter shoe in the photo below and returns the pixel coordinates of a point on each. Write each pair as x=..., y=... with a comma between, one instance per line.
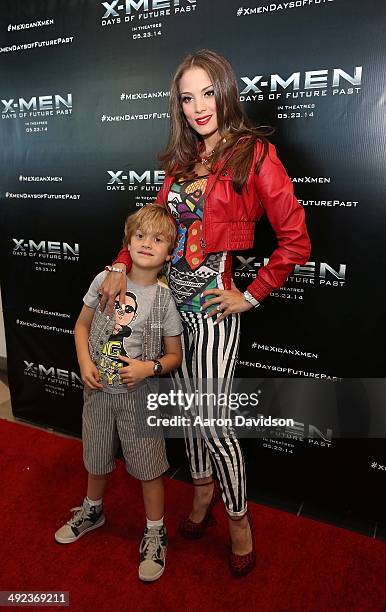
x=193, y=531
x=241, y=565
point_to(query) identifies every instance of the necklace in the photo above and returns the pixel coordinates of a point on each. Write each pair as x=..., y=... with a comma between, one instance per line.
x=206, y=158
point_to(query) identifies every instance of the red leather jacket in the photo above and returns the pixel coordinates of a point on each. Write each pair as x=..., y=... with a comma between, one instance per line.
x=229, y=219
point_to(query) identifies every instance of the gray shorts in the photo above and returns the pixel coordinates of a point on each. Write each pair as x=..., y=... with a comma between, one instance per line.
x=112, y=417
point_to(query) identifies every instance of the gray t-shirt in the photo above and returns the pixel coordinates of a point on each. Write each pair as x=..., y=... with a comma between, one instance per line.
x=130, y=319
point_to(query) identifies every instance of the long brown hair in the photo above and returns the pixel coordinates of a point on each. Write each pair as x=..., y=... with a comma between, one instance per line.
x=185, y=143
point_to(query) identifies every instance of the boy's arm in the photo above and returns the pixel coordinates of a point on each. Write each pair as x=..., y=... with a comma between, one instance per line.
x=172, y=358
x=88, y=370
x=137, y=369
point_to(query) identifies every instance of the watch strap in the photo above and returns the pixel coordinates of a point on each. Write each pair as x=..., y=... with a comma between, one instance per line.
x=157, y=367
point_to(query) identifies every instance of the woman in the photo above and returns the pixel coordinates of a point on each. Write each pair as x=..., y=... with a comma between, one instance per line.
x=222, y=175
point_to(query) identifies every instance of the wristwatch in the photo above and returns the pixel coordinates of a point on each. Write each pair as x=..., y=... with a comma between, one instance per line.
x=157, y=367
x=249, y=298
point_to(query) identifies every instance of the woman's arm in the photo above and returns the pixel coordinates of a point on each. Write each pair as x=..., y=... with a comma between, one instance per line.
x=286, y=216
x=275, y=191
x=114, y=283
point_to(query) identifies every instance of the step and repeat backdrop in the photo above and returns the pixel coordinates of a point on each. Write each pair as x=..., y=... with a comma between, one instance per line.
x=84, y=112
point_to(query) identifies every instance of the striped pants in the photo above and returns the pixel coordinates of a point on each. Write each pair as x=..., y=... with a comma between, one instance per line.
x=209, y=359
x=112, y=417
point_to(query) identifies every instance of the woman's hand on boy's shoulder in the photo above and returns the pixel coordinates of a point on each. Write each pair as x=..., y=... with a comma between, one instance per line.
x=114, y=284
x=135, y=370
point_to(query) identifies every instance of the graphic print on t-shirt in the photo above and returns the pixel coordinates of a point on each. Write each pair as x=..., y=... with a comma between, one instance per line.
x=192, y=271
x=116, y=345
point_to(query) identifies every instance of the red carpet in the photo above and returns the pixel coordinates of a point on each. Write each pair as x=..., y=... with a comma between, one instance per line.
x=302, y=565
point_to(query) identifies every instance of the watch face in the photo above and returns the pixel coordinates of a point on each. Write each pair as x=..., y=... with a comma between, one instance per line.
x=157, y=367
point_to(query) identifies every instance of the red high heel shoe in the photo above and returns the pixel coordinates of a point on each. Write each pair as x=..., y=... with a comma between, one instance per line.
x=240, y=565
x=193, y=531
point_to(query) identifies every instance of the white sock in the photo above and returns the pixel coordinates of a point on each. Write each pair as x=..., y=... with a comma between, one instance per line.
x=94, y=502
x=158, y=523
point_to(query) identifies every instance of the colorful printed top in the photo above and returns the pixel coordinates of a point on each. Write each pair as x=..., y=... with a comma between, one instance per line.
x=191, y=271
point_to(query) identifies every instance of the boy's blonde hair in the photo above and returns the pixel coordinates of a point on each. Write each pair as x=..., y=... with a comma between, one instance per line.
x=151, y=219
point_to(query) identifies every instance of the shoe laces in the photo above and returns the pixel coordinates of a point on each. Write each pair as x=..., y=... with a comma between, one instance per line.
x=80, y=512
x=152, y=541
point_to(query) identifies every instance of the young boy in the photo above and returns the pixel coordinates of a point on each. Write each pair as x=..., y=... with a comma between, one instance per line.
x=116, y=356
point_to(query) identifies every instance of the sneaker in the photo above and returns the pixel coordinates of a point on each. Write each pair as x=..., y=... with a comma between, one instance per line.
x=85, y=519
x=152, y=553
